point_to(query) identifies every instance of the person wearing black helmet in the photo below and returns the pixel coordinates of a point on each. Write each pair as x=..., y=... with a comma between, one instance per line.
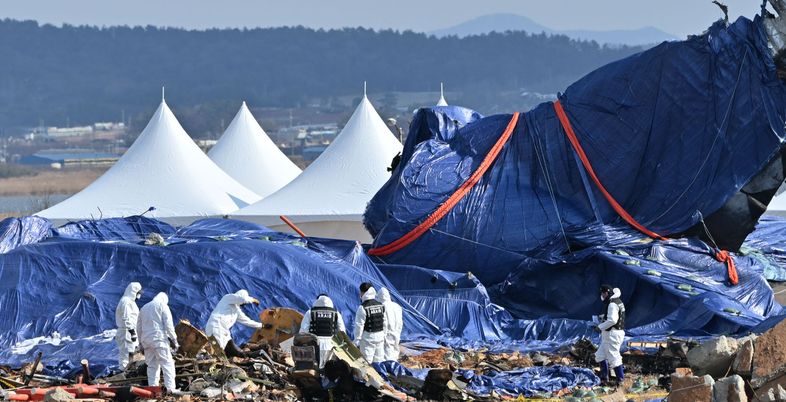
x=612, y=329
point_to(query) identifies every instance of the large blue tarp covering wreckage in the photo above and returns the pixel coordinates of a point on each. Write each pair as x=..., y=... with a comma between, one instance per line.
x=673, y=133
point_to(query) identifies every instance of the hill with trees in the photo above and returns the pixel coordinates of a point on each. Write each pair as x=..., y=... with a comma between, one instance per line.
x=82, y=74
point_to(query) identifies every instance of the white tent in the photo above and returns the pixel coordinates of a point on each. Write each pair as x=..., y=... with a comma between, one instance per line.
x=246, y=153
x=328, y=199
x=163, y=169
x=442, y=101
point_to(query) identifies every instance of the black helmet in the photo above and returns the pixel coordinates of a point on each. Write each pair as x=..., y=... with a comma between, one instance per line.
x=606, y=288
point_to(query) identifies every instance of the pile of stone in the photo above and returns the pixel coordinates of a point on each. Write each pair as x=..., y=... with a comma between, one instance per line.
x=726, y=369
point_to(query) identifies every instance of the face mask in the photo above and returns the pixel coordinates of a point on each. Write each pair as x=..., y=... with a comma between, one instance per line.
x=601, y=298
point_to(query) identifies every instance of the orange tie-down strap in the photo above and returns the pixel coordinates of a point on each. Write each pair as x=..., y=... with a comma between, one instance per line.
x=720, y=255
x=454, y=198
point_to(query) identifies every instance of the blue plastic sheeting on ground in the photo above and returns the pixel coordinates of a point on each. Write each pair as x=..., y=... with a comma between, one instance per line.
x=71, y=285
x=527, y=381
x=768, y=244
x=673, y=287
x=670, y=132
x=131, y=229
x=16, y=232
x=457, y=303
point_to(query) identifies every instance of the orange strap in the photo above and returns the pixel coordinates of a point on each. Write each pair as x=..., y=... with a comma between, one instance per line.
x=720, y=255
x=454, y=198
x=563, y=118
x=724, y=256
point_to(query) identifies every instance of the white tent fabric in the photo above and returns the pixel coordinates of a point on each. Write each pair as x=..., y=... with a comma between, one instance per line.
x=328, y=199
x=163, y=169
x=246, y=153
x=442, y=101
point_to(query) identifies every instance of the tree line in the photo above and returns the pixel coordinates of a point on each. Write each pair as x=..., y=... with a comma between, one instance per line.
x=83, y=74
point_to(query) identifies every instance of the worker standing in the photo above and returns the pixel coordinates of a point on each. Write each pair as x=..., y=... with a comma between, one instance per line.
x=224, y=317
x=126, y=316
x=158, y=341
x=612, y=329
x=370, y=325
x=393, y=324
x=324, y=321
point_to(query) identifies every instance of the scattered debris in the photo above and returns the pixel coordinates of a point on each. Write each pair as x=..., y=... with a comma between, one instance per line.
x=713, y=357
x=730, y=389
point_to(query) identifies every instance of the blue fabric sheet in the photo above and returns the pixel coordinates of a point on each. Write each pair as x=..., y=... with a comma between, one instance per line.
x=70, y=282
x=768, y=245
x=671, y=132
x=527, y=381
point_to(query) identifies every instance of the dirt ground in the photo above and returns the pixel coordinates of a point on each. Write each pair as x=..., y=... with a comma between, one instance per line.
x=66, y=181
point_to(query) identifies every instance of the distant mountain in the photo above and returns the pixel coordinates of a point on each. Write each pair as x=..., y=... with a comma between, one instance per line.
x=513, y=22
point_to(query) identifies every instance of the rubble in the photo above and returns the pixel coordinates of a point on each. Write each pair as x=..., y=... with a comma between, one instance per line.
x=58, y=395
x=730, y=389
x=713, y=357
x=743, y=362
x=769, y=355
x=775, y=394
x=690, y=388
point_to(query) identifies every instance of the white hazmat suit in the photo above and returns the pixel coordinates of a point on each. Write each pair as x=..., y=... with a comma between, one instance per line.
x=157, y=337
x=370, y=343
x=394, y=323
x=611, y=339
x=325, y=342
x=126, y=316
x=226, y=313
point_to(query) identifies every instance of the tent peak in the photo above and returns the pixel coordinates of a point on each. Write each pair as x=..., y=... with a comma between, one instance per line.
x=364, y=90
x=163, y=93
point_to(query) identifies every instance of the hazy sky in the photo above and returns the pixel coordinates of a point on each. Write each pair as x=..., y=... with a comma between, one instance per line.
x=679, y=17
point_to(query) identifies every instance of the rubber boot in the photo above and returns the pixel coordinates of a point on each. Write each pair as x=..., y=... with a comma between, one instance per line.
x=619, y=371
x=604, y=372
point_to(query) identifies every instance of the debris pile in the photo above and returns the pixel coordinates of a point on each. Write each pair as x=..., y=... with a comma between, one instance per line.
x=735, y=370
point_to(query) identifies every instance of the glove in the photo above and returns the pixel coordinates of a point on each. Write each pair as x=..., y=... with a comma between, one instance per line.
x=173, y=344
x=255, y=301
x=597, y=329
x=133, y=335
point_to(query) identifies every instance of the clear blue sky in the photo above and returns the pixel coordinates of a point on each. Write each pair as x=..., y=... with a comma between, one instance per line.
x=678, y=17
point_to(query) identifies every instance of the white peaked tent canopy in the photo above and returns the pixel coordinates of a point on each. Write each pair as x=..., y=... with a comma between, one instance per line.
x=163, y=169
x=328, y=199
x=442, y=101
x=246, y=153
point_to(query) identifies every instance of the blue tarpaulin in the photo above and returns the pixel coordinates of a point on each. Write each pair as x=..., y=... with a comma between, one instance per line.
x=768, y=244
x=527, y=381
x=672, y=133
x=71, y=281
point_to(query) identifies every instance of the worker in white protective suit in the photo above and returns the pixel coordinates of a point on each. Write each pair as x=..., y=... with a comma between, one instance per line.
x=323, y=321
x=369, y=326
x=224, y=317
x=394, y=323
x=612, y=329
x=126, y=315
x=158, y=340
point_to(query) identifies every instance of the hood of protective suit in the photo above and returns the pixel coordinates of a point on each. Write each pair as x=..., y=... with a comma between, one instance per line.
x=323, y=301
x=161, y=298
x=616, y=293
x=370, y=294
x=243, y=295
x=383, y=296
x=132, y=290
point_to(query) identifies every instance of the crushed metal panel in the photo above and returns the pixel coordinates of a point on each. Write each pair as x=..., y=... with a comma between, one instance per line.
x=278, y=325
x=190, y=338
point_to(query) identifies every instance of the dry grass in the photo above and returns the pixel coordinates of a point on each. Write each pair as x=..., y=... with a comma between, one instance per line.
x=68, y=181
